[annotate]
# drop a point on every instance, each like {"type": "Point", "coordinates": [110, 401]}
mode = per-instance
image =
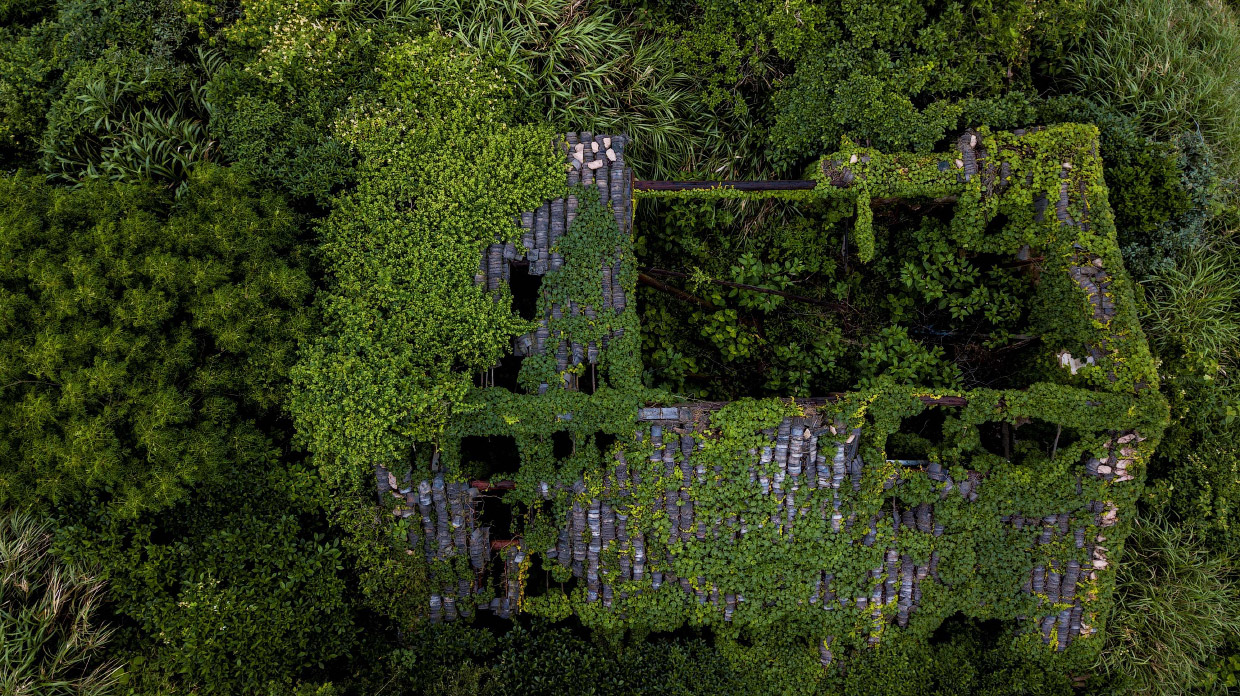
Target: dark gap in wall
{"type": "Point", "coordinates": [504, 375]}
{"type": "Point", "coordinates": [1032, 438]}
{"type": "Point", "coordinates": [992, 437]}
{"type": "Point", "coordinates": [987, 632]}
{"type": "Point", "coordinates": [525, 289]}
{"type": "Point", "coordinates": [539, 581]}
{"type": "Point", "coordinates": [587, 383]}
{"type": "Point", "coordinates": [482, 457]}
{"type": "Point", "coordinates": [496, 513]}
{"type": "Point", "coordinates": [917, 434]}
{"type": "Point", "coordinates": [1039, 436]}
{"type": "Point", "coordinates": [562, 445]}
{"type": "Point", "coordinates": [604, 442]}
{"type": "Point", "coordinates": [996, 224]}
{"type": "Point", "coordinates": [487, 620]}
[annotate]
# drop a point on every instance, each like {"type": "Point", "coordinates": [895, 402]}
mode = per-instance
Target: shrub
{"type": "Point", "coordinates": [27, 71]}
{"type": "Point", "coordinates": [89, 29]}
{"type": "Point", "coordinates": [49, 619]}
{"type": "Point", "coordinates": [584, 66]}
{"type": "Point", "coordinates": [963, 657]}
{"type": "Point", "coordinates": [238, 590]}
{"type": "Point", "coordinates": [1208, 485]}
{"type": "Point", "coordinates": [552, 660]}
{"type": "Point", "coordinates": [104, 88]}
{"type": "Point", "coordinates": [1173, 63]}
{"type": "Point", "coordinates": [128, 118]}
{"type": "Point", "coordinates": [13, 11]}
{"type": "Point", "coordinates": [274, 108]}
{"type": "Point", "coordinates": [1175, 606]}
{"type": "Point", "coordinates": [896, 76]}
{"type": "Point", "coordinates": [892, 356]}
{"type": "Point", "coordinates": [1197, 475]}
{"type": "Point", "coordinates": [1165, 194]}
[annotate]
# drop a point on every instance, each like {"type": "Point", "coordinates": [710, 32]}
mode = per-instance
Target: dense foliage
{"type": "Point", "coordinates": [141, 337]}
{"type": "Point", "coordinates": [238, 241]}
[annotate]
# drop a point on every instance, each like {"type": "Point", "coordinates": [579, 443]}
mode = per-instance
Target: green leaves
{"type": "Point", "coordinates": [50, 628]}
{"type": "Point", "coordinates": [232, 589]}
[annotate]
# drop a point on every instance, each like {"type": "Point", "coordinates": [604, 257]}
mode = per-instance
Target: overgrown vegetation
{"type": "Point", "coordinates": [238, 241]}
{"type": "Point", "coordinates": [1172, 64]}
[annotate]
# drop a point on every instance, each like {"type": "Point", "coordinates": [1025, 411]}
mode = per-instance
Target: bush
{"type": "Point", "coordinates": [49, 624]}
{"type": "Point", "coordinates": [1175, 606]}
{"type": "Point", "coordinates": [237, 591]}
{"type": "Point", "coordinates": [584, 66]}
{"type": "Point", "coordinates": [406, 325]}
{"type": "Point", "coordinates": [1205, 488]}
{"type": "Point", "coordinates": [274, 108]}
{"type": "Point", "coordinates": [963, 657]}
{"type": "Point", "coordinates": [126, 117]}
{"type": "Point", "coordinates": [27, 72]}
{"type": "Point", "coordinates": [904, 75]}
{"type": "Point", "coordinates": [544, 659]}
{"type": "Point", "coordinates": [1165, 194]}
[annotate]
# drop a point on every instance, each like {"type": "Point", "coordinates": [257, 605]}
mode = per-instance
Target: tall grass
{"type": "Point", "coordinates": [1194, 308]}
{"type": "Point", "coordinates": [587, 67]}
{"type": "Point", "coordinates": [1176, 604]}
{"type": "Point", "coordinates": [1175, 64]}
{"type": "Point", "coordinates": [50, 638]}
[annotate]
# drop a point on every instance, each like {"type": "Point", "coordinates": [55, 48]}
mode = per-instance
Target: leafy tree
{"type": "Point", "coordinates": [237, 589]}
{"type": "Point", "coordinates": [137, 346]}
{"type": "Point", "coordinates": [405, 324]}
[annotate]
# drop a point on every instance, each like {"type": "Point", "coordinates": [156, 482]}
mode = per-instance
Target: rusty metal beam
{"type": "Point", "coordinates": [493, 485]}
{"type": "Point", "coordinates": [784, 185]}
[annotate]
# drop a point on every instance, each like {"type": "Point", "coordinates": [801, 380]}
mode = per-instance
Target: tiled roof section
{"type": "Point", "coordinates": [1057, 583]}
{"type": "Point", "coordinates": [809, 452]}
{"type": "Point", "coordinates": [592, 161]}
{"type": "Point", "coordinates": [569, 353]}
{"type": "Point", "coordinates": [599, 161]}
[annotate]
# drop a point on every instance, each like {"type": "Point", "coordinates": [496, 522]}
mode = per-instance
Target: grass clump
{"type": "Point", "coordinates": [1192, 309]}
{"type": "Point", "coordinates": [52, 641]}
{"type": "Point", "coordinates": [1173, 63]}
{"type": "Point", "coordinates": [1176, 605]}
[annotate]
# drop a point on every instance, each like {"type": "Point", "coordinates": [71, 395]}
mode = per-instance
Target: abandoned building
{"type": "Point", "coordinates": [648, 519]}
